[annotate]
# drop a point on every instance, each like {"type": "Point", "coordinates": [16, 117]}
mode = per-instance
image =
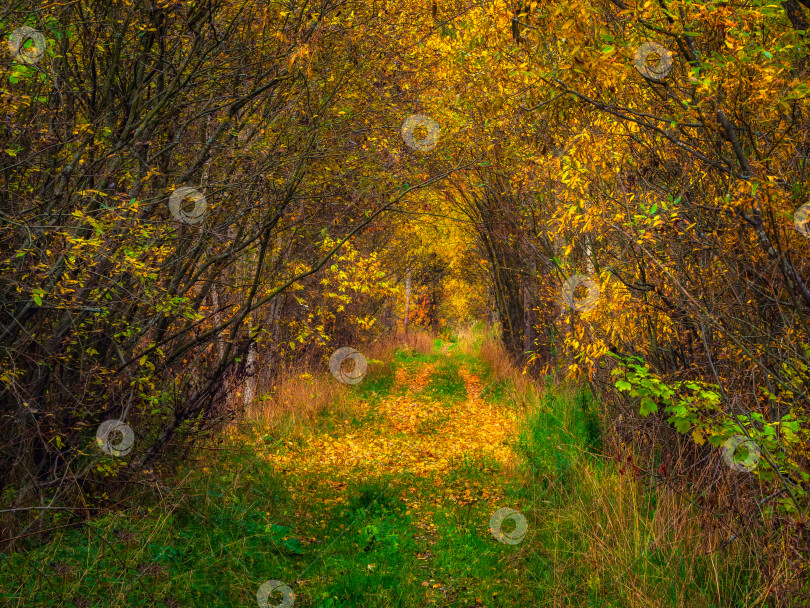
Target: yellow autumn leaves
{"type": "Point", "coordinates": [406, 433]}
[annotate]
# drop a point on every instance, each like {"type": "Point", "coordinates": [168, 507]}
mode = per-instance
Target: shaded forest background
{"type": "Point", "coordinates": [653, 154]}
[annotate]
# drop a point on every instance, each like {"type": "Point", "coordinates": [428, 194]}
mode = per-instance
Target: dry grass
{"type": "Point", "coordinates": [634, 537]}
{"type": "Point", "coordinates": [494, 355]}
{"type": "Point", "coordinates": [523, 390]}
{"type": "Point", "coordinates": [470, 337]}
{"type": "Point", "coordinates": [417, 341]}
{"type": "Point", "coordinates": [301, 392]}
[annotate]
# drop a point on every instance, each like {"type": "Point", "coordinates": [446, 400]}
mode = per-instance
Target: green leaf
{"type": "Point", "coordinates": [716, 440]}
{"type": "Point", "coordinates": [681, 425]}
{"type": "Point", "coordinates": [294, 545]}
{"type": "Point", "coordinates": [278, 530]}
{"type": "Point", "coordinates": [623, 385]}
{"type": "Point", "coordinates": [648, 406]}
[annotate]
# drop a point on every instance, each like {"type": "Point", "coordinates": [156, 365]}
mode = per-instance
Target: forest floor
{"type": "Point", "coordinates": [394, 497]}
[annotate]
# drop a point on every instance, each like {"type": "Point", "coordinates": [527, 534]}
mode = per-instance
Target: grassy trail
{"type": "Point", "coordinates": [385, 500]}
{"type": "Point", "coordinates": [417, 470]}
{"type": "Point", "coordinates": [395, 494]}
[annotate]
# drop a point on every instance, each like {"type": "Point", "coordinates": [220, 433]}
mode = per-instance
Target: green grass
{"type": "Point", "coordinates": [371, 551]}
{"type": "Point", "coordinates": [377, 383]}
{"type": "Point", "coordinates": [553, 438]}
{"type": "Point", "coordinates": [412, 358]}
{"type": "Point", "coordinates": [495, 390]}
{"type": "Point", "coordinates": [445, 385]}
{"type": "Point", "coordinates": [206, 544]}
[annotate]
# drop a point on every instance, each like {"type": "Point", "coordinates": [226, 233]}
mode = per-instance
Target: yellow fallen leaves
{"type": "Point", "coordinates": [404, 376]}
{"type": "Point", "coordinates": [395, 442]}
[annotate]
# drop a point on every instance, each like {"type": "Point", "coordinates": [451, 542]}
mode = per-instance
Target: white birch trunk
{"type": "Point", "coordinates": [251, 367]}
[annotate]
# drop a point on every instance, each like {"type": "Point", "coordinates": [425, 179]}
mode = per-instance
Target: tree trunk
{"type": "Point", "coordinates": [218, 321]}
{"type": "Point", "coordinates": [407, 299]}
{"type": "Point", "coordinates": [251, 368]}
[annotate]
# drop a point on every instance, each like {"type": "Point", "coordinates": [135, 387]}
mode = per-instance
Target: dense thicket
{"type": "Point", "coordinates": [655, 156]}
{"type": "Point", "coordinates": [116, 305]}
{"type": "Point", "coordinates": [652, 152]}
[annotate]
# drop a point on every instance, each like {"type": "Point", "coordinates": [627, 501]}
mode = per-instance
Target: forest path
{"type": "Point", "coordinates": [416, 465]}
{"type": "Point", "coordinates": [423, 485]}
{"type": "Point", "coordinates": [432, 417]}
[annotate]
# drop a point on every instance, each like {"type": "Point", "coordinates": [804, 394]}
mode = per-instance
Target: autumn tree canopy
{"type": "Point", "coordinates": [195, 194]}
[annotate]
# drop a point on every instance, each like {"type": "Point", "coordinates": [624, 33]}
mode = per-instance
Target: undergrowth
{"type": "Point", "coordinates": [212, 534]}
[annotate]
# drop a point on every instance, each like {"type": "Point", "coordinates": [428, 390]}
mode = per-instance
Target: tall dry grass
{"type": "Point", "coordinates": [416, 341]}
{"type": "Point", "coordinates": [650, 545]}
{"type": "Point", "coordinates": [470, 338]}
{"type": "Point", "coordinates": [637, 539]}
{"type": "Point", "coordinates": [523, 390]}
{"type": "Point", "coordinates": [300, 393]}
